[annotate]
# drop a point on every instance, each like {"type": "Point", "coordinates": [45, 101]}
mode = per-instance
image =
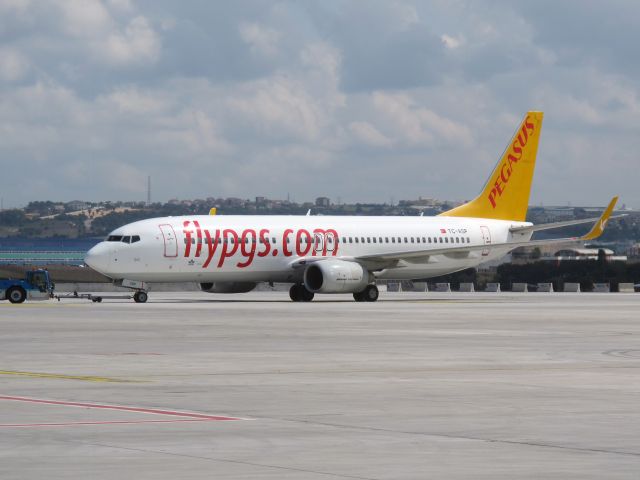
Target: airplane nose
{"type": "Point", "coordinates": [99, 258]}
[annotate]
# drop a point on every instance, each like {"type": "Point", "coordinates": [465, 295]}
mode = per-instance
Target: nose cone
{"type": "Point", "coordinates": [99, 258]}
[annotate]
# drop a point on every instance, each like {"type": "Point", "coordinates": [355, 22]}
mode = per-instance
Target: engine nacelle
{"type": "Point", "coordinates": [335, 276]}
{"type": "Point", "coordinates": [227, 287]}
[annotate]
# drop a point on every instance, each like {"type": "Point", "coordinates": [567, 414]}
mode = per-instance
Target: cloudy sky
{"type": "Point", "coordinates": [358, 100]}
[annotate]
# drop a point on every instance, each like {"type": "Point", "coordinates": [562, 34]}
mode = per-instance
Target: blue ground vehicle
{"type": "Point", "coordinates": [37, 285]}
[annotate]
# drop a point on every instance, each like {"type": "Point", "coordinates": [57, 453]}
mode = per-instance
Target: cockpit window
{"type": "Point", "coordinates": [126, 239]}
{"type": "Point", "coordinates": [114, 238]}
{"type": "Point", "coordinates": [135, 238]}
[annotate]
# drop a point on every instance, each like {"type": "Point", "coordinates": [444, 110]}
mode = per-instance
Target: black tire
{"type": "Point", "coordinates": [370, 294]}
{"type": "Point", "coordinates": [140, 297]}
{"type": "Point", "coordinates": [307, 296]}
{"type": "Point", "coordinates": [358, 297]}
{"type": "Point", "coordinates": [16, 295]}
{"type": "Point", "coordinates": [294, 293]}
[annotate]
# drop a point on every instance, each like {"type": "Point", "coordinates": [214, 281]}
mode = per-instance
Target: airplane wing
{"type": "Point", "coordinates": [463, 251]}
{"type": "Point", "coordinates": [550, 226]}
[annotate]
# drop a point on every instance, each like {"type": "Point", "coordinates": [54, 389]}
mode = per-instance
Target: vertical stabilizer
{"type": "Point", "coordinates": [505, 196]}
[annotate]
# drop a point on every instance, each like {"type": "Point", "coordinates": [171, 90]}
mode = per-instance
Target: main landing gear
{"type": "Point", "coordinates": [299, 293]}
{"type": "Point", "coordinates": [369, 294]}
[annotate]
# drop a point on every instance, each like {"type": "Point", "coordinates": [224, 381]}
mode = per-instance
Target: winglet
{"type": "Point", "coordinates": [213, 211]}
{"type": "Point", "coordinates": [598, 227]}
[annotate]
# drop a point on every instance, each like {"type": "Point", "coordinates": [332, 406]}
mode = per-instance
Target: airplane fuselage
{"type": "Point", "coordinates": [206, 248]}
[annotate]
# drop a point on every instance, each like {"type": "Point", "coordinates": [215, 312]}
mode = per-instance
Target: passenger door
{"type": "Point", "coordinates": [170, 241]}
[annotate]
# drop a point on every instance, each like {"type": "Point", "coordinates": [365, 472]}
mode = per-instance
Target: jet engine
{"type": "Point", "coordinates": [335, 276]}
{"type": "Point", "coordinates": [227, 287]}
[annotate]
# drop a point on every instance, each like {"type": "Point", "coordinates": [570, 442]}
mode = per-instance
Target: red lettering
{"type": "Point", "coordinates": [516, 149]}
{"type": "Point", "coordinates": [264, 240]}
{"type": "Point", "coordinates": [212, 246]}
{"type": "Point", "coordinates": [229, 246]}
{"type": "Point", "coordinates": [285, 243]}
{"type": "Point", "coordinates": [188, 233]}
{"type": "Point", "coordinates": [499, 186]}
{"type": "Point", "coordinates": [299, 249]}
{"type": "Point", "coordinates": [526, 137]}
{"type": "Point", "coordinates": [492, 197]}
{"type": "Point", "coordinates": [529, 126]}
{"type": "Point", "coordinates": [247, 247]}
{"type": "Point", "coordinates": [199, 241]}
{"type": "Point", "coordinates": [505, 173]}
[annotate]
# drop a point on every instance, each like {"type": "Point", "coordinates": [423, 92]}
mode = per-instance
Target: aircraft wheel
{"type": "Point", "coordinates": [294, 293]}
{"type": "Point", "coordinates": [16, 295]}
{"type": "Point", "coordinates": [307, 296]}
{"type": "Point", "coordinates": [140, 297]}
{"type": "Point", "coordinates": [358, 296]}
{"type": "Point", "coordinates": [370, 294]}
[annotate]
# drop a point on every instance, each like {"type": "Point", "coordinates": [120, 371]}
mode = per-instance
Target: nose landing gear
{"type": "Point", "coordinates": [140, 296]}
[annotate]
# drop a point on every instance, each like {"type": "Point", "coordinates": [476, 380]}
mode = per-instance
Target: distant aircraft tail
{"type": "Point", "coordinates": [505, 196]}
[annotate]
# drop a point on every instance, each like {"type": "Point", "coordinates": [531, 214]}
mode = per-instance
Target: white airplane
{"type": "Point", "coordinates": [335, 254]}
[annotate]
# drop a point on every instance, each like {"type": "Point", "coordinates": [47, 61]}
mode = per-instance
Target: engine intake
{"type": "Point", "coordinates": [227, 287]}
{"type": "Point", "coordinates": [335, 276]}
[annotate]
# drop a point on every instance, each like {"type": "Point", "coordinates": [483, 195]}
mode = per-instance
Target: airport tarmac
{"type": "Point", "coordinates": [252, 386]}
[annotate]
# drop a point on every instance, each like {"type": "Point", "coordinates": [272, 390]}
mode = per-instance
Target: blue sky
{"type": "Point", "coordinates": [362, 100]}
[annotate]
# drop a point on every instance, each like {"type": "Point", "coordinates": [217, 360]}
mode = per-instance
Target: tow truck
{"type": "Point", "coordinates": [36, 285]}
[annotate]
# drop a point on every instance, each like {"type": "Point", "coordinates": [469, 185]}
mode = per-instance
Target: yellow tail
{"type": "Point", "coordinates": [505, 196]}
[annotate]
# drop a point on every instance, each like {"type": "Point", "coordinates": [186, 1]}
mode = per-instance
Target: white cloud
{"type": "Point", "coordinates": [13, 65]}
{"type": "Point", "coordinates": [261, 98]}
{"type": "Point", "coordinates": [452, 42]}
{"type": "Point", "coordinates": [84, 18]}
{"type": "Point", "coordinates": [137, 43]}
{"type": "Point", "coordinates": [263, 41]}
{"type": "Point", "coordinates": [369, 135]}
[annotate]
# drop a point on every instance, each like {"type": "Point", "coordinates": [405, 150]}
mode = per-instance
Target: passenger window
{"type": "Point", "coordinates": [412, 240]}
{"type": "Point", "coordinates": [406, 240]}
{"type": "Point", "coordinates": [379, 239]}
{"type": "Point", "coordinates": [399, 240]}
{"type": "Point", "coordinates": [393, 239]}
{"type": "Point", "coordinates": [374, 239]}
{"type": "Point", "coordinates": [350, 239]}
{"type": "Point", "coordinates": [468, 240]}
{"type": "Point", "coordinates": [368, 239]}
{"type": "Point", "coordinates": [457, 239]}
{"type": "Point", "coordinates": [273, 240]}
{"type": "Point", "coordinates": [429, 239]}
{"type": "Point", "coordinates": [362, 239]}
{"type": "Point", "coordinates": [356, 239]}
{"type": "Point", "coordinates": [386, 239]}
{"type": "Point", "coordinates": [344, 239]}
{"type": "Point", "coordinates": [441, 241]}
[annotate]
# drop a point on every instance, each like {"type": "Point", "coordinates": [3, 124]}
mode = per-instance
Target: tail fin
{"type": "Point", "coordinates": [505, 196]}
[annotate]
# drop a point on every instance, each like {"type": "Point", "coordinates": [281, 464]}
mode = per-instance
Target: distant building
{"type": "Point", "coordinates": [573, 254]}
{"type": "Point", "coordinates": [323, 202]}
{"type": "Point", "coordinates": [75, 205]}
